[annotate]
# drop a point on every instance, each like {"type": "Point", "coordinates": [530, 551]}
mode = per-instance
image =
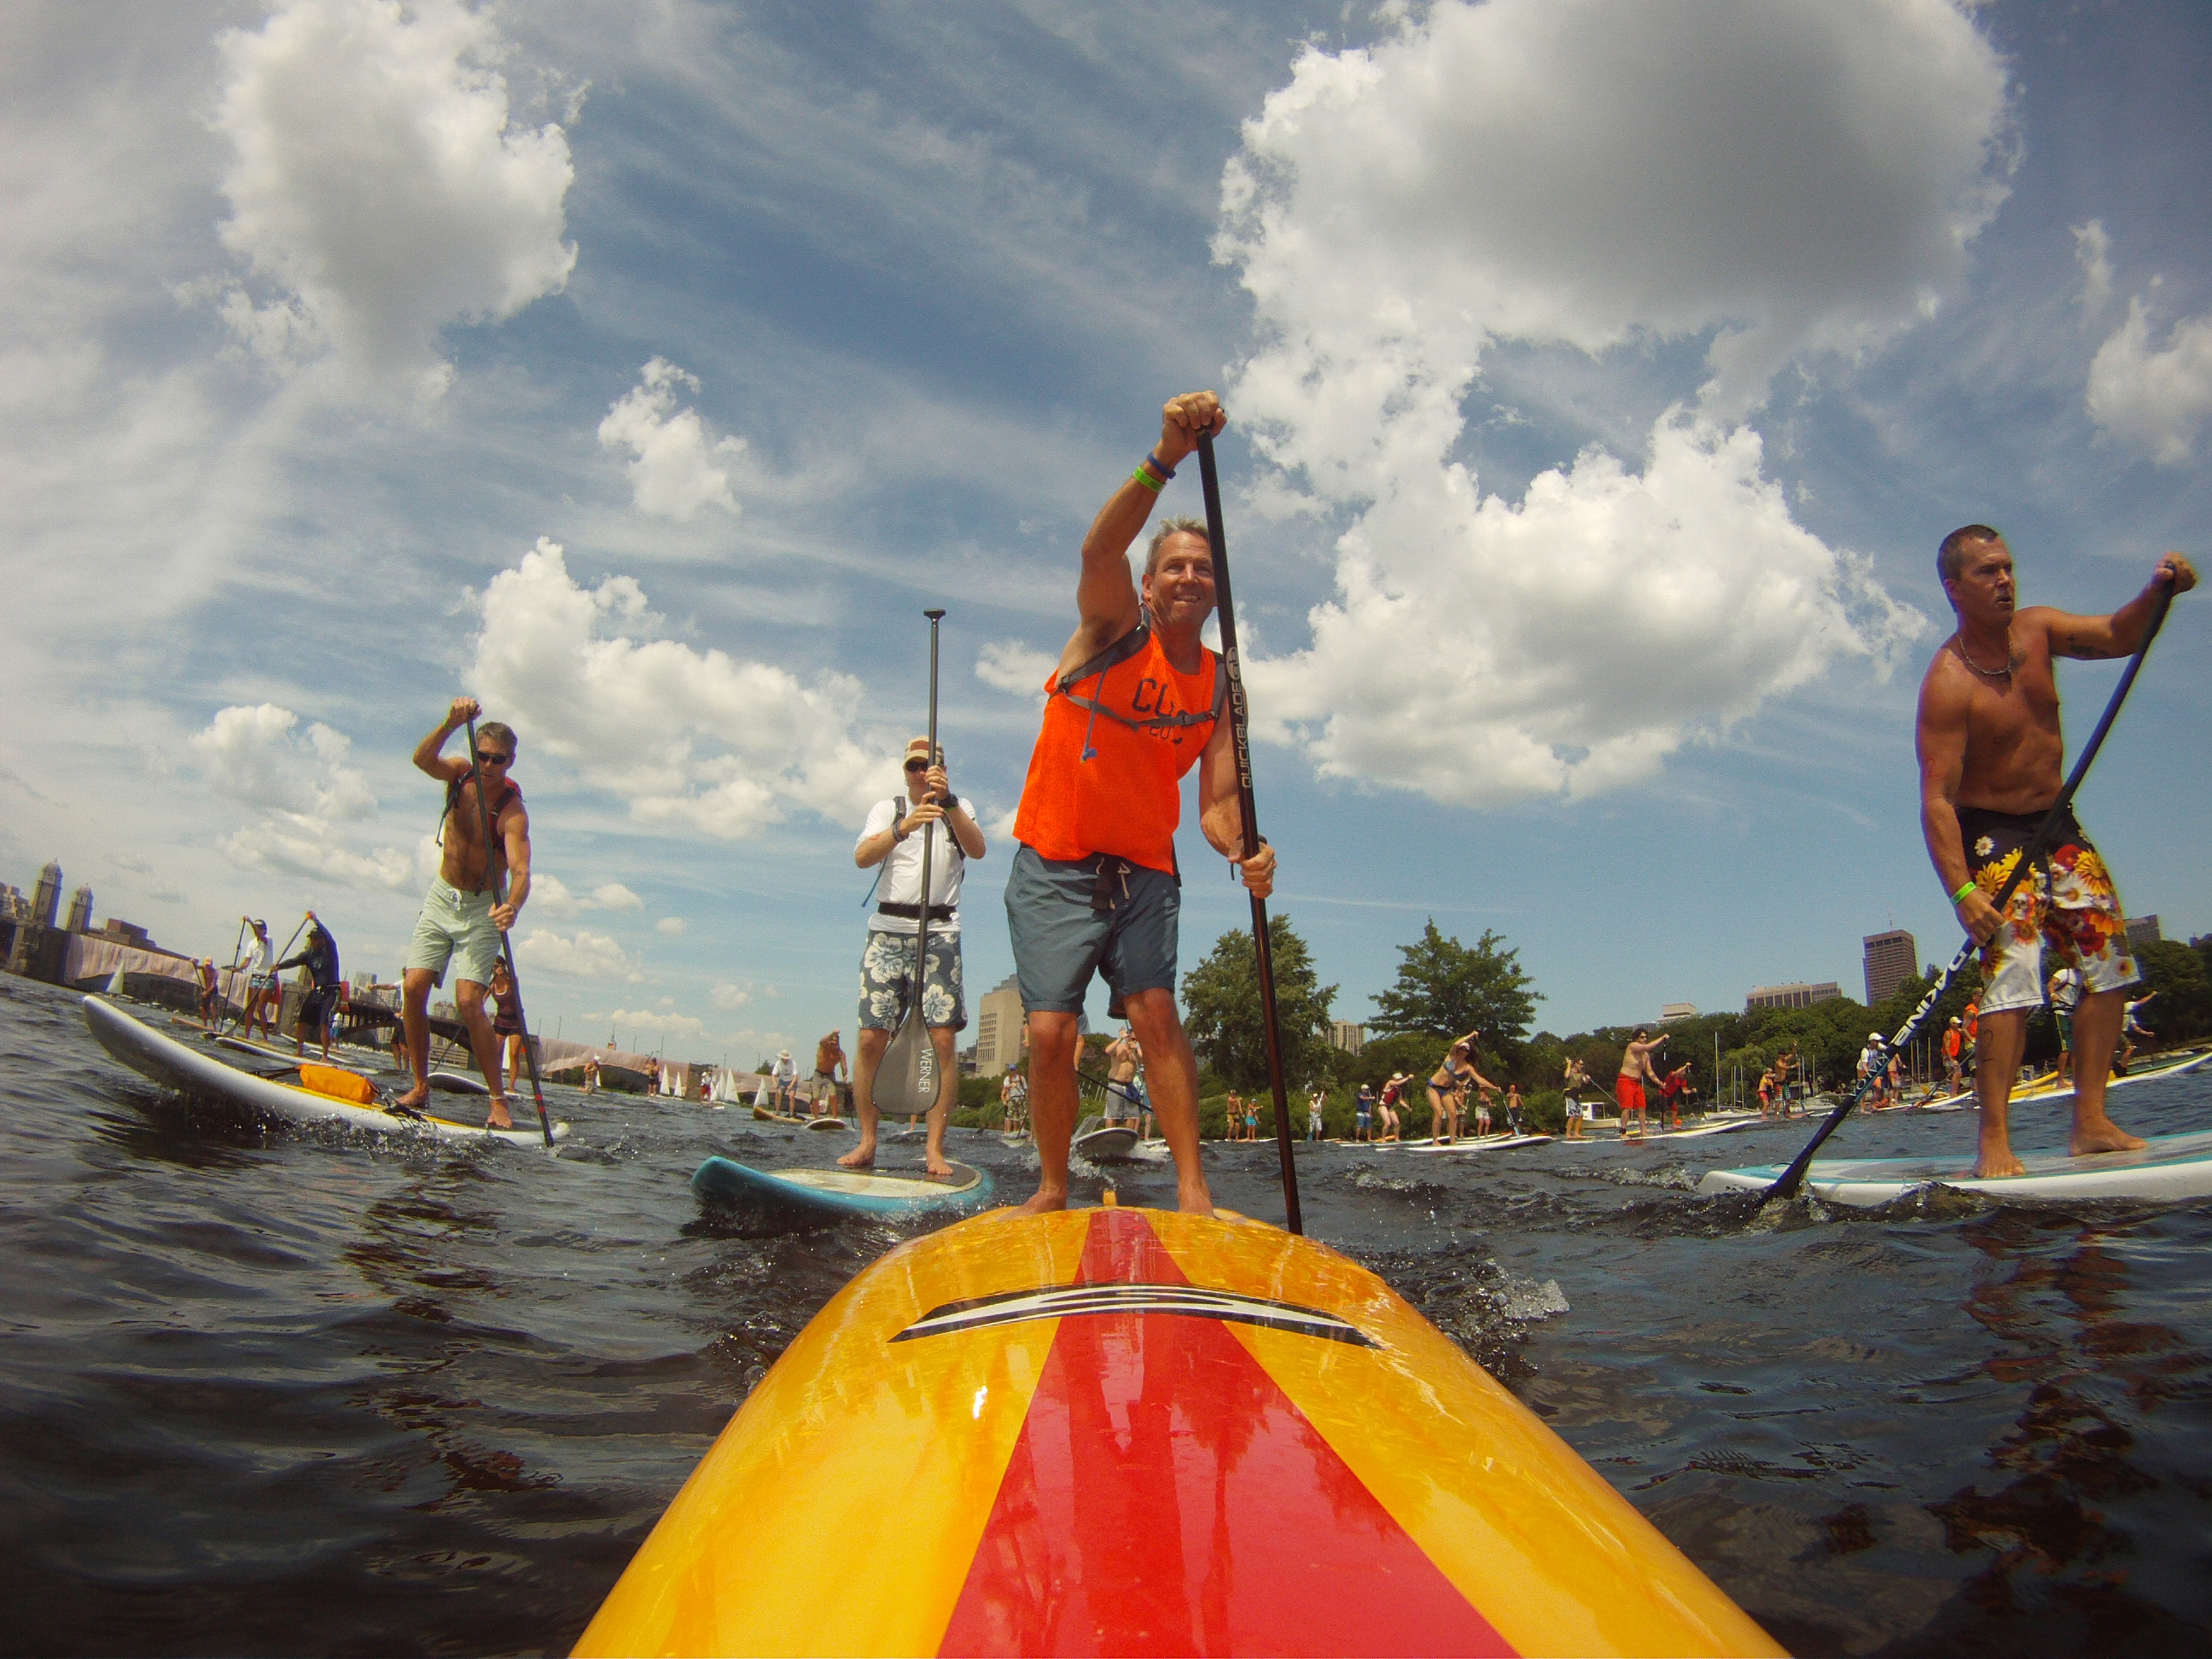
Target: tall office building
{"type": "Point", "coordinates": [2142, 930]}
{"type": "Point", "coordinates": [999, 1028]}
{"type": "Point", "coordinates": [1892, 958]}
{"type": "Point", "coordinates": [1343, 1034]}
{"type": "Point", "coordinates": [1671, 1011]}
{"type": "Point", "coordinates": [1798, 994]}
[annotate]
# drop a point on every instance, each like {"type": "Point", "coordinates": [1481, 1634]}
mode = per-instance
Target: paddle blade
{"type": "Point", "coordinates": [906, 1082]}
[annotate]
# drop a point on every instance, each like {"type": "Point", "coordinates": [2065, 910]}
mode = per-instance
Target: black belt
{"type": "Point", "coordinates": [912, 912]}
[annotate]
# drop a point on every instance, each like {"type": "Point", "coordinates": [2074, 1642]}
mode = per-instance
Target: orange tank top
{"type": "Point", "coordinates": [1106, 775]}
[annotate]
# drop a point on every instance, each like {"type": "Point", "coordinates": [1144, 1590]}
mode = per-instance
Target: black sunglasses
{"type": "Point", "coordinates": [917, 766]}
{"type": "Point", "coordinates": [493, 760]}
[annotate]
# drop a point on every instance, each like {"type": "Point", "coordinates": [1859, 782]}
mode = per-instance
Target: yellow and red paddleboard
{"type": "Point", "coordinates": [1131, 1431]}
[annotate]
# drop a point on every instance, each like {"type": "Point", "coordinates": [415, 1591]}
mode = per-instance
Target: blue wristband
{"type": "Point", "coordinates": [1153, 462]}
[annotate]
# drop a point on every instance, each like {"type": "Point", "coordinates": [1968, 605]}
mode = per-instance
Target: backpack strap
{"type": "Point", "coordinates": [1121, 652]}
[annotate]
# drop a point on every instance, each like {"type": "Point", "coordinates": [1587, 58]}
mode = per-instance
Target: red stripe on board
{"type": "Point", "coordinates": [1165, 1497]}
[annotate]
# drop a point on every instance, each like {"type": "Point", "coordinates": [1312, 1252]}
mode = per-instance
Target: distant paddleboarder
{"type": "Point", "coordinates": [319, 1007]}
{"type": "Point", "coordinates": [459, 926]}
{"type": "Point", "coordinates": [891, 982]}
{"type": "Point", "coordinates": [1991, 753]}
{"type": "Point", "coordinates": [1635, 1071]}
{"type": "Point", "coordinates": [1137, 701]}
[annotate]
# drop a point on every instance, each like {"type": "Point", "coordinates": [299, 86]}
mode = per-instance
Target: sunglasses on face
{"type": "Point", "coordinates": [490, 759]}
{"type": "Point", "coordinates": [917, 766]}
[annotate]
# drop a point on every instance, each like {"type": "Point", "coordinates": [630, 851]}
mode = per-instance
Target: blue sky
{"type": "Point", "coordinates": [1601, 378]}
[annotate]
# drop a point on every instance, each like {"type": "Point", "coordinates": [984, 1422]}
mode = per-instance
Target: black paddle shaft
{"type": "Point", "coordinates": [1240, 733]}
{"type": "Point", "coordinates": [1793, 1178]}
{"type": "Point", "coordinates": [506, 949]}
{"type": "Point", "coordinates": [921, 932]}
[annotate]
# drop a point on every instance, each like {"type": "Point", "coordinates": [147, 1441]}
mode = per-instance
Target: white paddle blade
{"type": "Point", "coordinates": [906, 1082]}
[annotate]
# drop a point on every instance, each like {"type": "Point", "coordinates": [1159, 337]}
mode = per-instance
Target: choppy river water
{"type": "Point", "coordinates": [264, 1390]}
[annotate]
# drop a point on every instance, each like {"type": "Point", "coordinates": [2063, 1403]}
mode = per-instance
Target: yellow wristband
{"type": "Point", "coordinates": [1958, 897]}
{"type": "Point", "coordinates": [1147, 480]}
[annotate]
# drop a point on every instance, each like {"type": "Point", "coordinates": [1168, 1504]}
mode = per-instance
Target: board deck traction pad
{"type": "Point", "coordinates": [1162, 1490]}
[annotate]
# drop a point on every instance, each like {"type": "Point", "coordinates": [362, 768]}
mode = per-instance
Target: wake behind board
{"type": "Point", "coordinates": [193, 1071]}
{"type": "Point", "coordinates": [793, 1200]}
{"type": "Point", "coordinates": [2168, 1167]}
{"type": "Point", "coordinates": [1124, 1431]}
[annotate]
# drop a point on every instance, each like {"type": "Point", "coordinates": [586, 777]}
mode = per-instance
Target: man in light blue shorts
{"type": "Point", "coordinates": [463, 913]}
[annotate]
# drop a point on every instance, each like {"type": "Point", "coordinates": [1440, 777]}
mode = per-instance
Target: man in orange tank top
{"type": "Point", "coordinates": [1137, 701]}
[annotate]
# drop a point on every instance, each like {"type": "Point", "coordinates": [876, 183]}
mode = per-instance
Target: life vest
{"type": "Point", "coordinates": [1119, 734]}
{"type": "Point", "coordinates": [504, 795]}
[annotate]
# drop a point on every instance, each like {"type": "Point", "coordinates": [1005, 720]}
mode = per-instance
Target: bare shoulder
{"type": "Point", "coordinates": [1946, 689]}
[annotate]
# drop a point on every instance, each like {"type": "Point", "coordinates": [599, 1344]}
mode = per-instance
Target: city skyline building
{"type": "Point", "coordinates": [1346, 1034]}
{"type": "Point", "coordinates": [2143, 930]}
{"type": "Point", "coordinates": [1671, 1011]}
{"type": "Point", "coordinates": [1798, 994]}
{"type": "Point", "coordinates": [999, 1028]}
{"type": "Point", "coordinates": [1891, 958]}
{"type": "Point", "coordinates": [80, 912]}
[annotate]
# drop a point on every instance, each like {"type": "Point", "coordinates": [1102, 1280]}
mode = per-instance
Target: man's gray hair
{"type": "Point", "coordinates": [1951, 556]}
{"type": "Point", "coordinates": [1180, 526]}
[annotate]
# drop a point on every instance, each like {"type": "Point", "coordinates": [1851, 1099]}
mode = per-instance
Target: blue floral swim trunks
{"type": "Point", "coordinates": [2066, 906]}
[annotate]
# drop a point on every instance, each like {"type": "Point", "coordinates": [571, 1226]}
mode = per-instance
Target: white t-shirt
{"type": "Point", "coordinates": [259, 954]}
{"type": "Point", "coordinates": [902, 878]}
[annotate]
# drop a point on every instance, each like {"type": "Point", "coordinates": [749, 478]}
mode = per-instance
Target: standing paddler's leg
{"type": "Point", "coordinates": [415, 1033]}
{"type": "Point", "coordinates": [2096, 1034]}
{"type": "Point", "coordinates": [867, 1060]}
{"type": "Point", "coordinates": [1172, 1073]}
{"type": "Point", "coordinates": [1054, 1039]}
{"type": "Point", "coordinates": [483, 1043]}
{"type": "Point", "coordinates": [948, 1091]}
{"type": "Point", "coordinates": [2004, 1037]}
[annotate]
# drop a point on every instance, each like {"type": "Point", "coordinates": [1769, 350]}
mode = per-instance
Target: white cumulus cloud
{"type": "Point", "coordinates": [680, 1025]}
{"type": "Point", "coordinates": [2157, 397]}
{"type": "Point", "coordinates": [2092, 252]}
{"type": "Point", "coordinates": [289, 845]}
{"type": "Point", "coordinates": [377, 183]}
{"type": "Point", "coordinates": [672, 926]}
{"type": "Point", "coordinates": [1010, 666]}
{"type": "Point", "coordinates": [1482, 651]}
{"type": "Point", "coordinates": [1781, 179]}
{"type": "Point", "coordinates": [1795, 177]}
{"type": "Point", "coordinates": [676, 467]}
{"type": "Point", "coordinates": [550, 896]}
{"type": "Point", "coordinates": [259, 756]}
{"type": "Point", "coordinates": [726, 996]}
{"type": "Point", "coordinates": [586, 955]}
{"type": "Point", "coordinates": [697, 739]}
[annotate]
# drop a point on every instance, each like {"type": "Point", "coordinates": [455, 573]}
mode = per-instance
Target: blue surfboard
{"type": "Point", "coordinates": [794, 1201]}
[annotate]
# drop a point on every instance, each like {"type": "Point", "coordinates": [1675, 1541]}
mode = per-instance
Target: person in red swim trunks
{"type": "Point", "coordinates": [1628, 1087]}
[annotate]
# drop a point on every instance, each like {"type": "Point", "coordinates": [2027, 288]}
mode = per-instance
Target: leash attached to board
{"type": "Point", "coordinates": [506, 949]}
{"type": "Point", "coordinates": [1793, 1178]}
{"type": "Point", "coordinates": [1263, 947]}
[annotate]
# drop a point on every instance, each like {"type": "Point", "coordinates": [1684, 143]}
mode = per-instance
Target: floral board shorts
{"type": "Point", "coordinates": [2066, 906]}
{"type": "Point", "coordinates": [887, 982]}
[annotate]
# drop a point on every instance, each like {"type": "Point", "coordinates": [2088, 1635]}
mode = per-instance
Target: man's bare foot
{"type": "Point", "coordinates": [862, 1156]}
{"type": "Point", "coordinates": [937, 1163]}
{"type": "Point", "coordinates": [1192, 1197]}
{"type": "Point", "coordinates": [413, 1099]}
{"type": "Point", "coordinates": [497, 1117]}
{"type": "Point", "coordinates": [1997, 1165]}
{"type": "Point", "coordinates": [2106, 1136]}
{"type": "Point", "coordinates": [1042, 1202]}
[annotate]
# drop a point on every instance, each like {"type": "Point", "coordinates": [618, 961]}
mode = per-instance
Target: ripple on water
{"type": "Point", "coordinates": [267, 1391]}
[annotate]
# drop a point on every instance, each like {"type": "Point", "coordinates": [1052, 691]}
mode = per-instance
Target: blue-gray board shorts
{"type": "Point", "coordinates": [1061, 940]}
{"type": "Point", "coordinates": [456, 928]}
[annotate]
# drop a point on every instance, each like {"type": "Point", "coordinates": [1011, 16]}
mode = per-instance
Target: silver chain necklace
{"type": "Point", "coordinates": [1958, 645]}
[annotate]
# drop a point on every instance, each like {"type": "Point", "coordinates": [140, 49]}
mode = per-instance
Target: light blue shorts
{"type": "Point", "coordinates": [454, 927]}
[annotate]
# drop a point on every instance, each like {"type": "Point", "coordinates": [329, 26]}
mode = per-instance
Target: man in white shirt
{"type": "Point", "coordinates": [928, 814]}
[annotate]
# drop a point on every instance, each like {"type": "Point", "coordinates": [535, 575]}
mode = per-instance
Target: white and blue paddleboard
{"type": "Point", "coordinates": [2168, 1167]}
{"type": "Point", "coordinates": [793, 1200]}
